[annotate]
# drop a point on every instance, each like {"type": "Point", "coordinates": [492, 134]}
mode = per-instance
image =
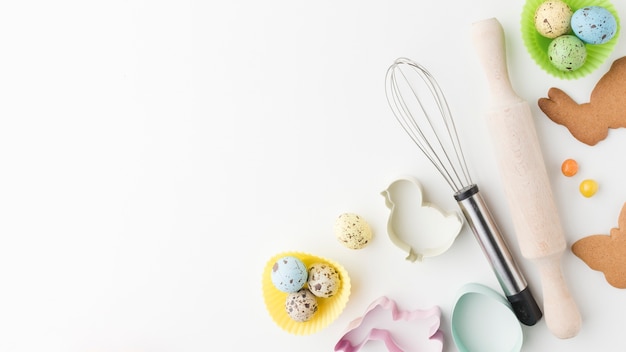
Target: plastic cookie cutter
{"type": "Point", "coordinates": [483, 320]}
{"type": "Point", "coordinates": [419, 228]}
{"type": "Point", "coordinates": [399, 330]}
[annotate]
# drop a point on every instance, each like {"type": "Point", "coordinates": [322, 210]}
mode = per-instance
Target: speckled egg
{"type": "Point", "coordinates": [289, 274]}
{"type": "Point", "coordinates": [567, 53]}
{"type": "Point", "coordinates": [301, 306]}
{"type": "Point", "coordinates": [352, 231]}
{"type": "Point", "coordinates": [594, 24]}
{"type": "Point", "coordinates": [552, 18]}
{"type": "Point", "coordinates": [323, 280]}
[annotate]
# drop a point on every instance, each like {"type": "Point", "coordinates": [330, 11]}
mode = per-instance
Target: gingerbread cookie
{"type": "Point", "coordinates": [590, 122]}
{"type": "Point", "coordinates": [606, 253]}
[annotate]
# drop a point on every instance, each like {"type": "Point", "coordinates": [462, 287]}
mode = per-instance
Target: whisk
{"type": "Point", "coordinates": [408, 84]}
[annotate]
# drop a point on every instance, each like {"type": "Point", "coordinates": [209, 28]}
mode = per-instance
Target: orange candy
{"type": "Point", "coordinates": [569, 167]}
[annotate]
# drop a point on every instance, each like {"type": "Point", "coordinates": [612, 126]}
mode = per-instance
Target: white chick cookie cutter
{"type": "Point", "coordinates": [418, 228]}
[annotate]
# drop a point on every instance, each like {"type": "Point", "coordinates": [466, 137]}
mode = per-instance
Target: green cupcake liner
{"type": "Point", "coordinates": [537, 45]}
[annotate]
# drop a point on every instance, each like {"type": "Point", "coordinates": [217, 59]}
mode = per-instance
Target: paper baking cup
{"type": "Point", "coordinates": [328, 308]}
{"type": "Point", "coordinates": [537, 45]}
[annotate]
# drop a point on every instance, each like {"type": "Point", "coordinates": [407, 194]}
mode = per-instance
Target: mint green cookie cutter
{"type": "Point", "coordinates": [483, 320]}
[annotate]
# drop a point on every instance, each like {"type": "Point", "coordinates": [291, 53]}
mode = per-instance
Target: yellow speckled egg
{"type": "Point", "coordinates": [553, 18]}
{"type": "Point", "coordinates": [352, 231]}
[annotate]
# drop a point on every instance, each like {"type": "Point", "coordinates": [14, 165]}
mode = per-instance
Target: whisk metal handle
{"type": "Point", "coordinates": [495, 249]}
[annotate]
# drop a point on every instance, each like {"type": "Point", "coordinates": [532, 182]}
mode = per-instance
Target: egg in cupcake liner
{"type": "Point", "coordinates": [537, 45]}
{"type": "Point", "coordinates": [328, 309]}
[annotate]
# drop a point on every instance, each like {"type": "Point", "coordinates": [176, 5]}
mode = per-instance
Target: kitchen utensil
{"type": "Point", "coordinates": [408, 86]}
{"type": "Point", "coordinates": [419, 228]}
{"type": "Point", "coordinates": [498, 331]}
{"type": "Point", "coordinates": [525, 179]}
{"type": "Point", "coordinates": [399, 330]}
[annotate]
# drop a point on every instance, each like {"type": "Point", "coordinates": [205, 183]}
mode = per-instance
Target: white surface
{"type": "Point", "coordinates": [155, 154]}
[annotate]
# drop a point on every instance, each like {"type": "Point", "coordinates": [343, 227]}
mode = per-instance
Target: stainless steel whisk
{"type": "Point", "coordinates": [407, 86]}
{"type": "Point", "coordinates": [446, 154]}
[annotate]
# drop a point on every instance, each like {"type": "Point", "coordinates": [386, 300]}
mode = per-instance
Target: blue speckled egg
{"type": "Point", "coordinates": [594, 24]}
{"type": "Point", "coordinates": [567, 53]}
{"type": "Point", "coordinates": [289, 274]}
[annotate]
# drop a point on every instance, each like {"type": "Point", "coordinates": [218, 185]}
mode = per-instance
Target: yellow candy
{"type": "Point", "coordinates": [588, 188]}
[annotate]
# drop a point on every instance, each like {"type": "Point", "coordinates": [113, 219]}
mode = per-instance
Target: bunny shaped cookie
{"type": "Point", "coordinates": [590, 122]}
{"type": "Point", "coordinates": [606, 253]}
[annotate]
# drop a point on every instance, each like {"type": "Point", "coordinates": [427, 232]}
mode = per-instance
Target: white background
{"type": "Point", "coordinates": [154, 155]}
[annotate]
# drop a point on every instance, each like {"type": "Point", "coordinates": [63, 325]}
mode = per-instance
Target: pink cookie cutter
{"type": "Point", "coordinates": [399, 330]}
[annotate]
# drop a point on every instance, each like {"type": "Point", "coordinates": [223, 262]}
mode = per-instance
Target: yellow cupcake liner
{"type": "Point", "coordinates": [329, 309]}
{"type": "Point", "coordinates": [537, 45]}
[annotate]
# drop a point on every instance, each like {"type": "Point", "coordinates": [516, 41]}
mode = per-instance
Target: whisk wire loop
{"type": "Point", "coordinates": [415, 117]}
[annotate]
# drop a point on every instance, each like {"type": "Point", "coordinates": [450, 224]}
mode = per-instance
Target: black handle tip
{"type": "Point", "coordinates": [525, 307]}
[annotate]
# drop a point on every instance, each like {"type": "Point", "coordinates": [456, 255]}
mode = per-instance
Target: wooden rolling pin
{"type": "Point", "coordinates": [525, 179]}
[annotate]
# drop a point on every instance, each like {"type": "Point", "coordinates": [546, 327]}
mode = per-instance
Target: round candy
{"type": "Point", "coordinates": [569, 167]}
{"type": "Point", "coordinates": [352, 231]}
{"type": "Point", "coordinates": [289, 274]}
{"type": "Point", "coordinates": [594, 24]}
{"type": "Point", "coordinates": [588, 188]}
{"type": "Point", "coordinates": [567, 53]}
{"type": "Point", "coordinates": [323, 280]}
{"type": "Point", "coordinates": [552, 18]}
{"type": "Point", "coordinates": [301, 305]}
